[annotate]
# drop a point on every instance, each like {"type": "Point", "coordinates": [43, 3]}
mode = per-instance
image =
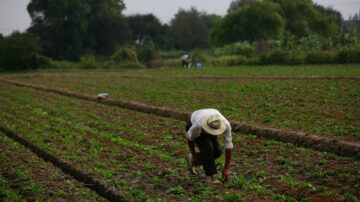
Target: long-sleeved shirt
{"type": "Point", "coordinates": [184, 57]}
{"type": "Point", "coordinates": [196, 129]}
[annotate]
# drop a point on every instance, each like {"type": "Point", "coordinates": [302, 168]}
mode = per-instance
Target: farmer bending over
{"type": "Point", "coordinates": [203, 130]}
{"type": "Point", "coordinates": [185, 61]}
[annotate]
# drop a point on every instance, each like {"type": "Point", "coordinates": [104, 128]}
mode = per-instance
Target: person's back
{"type": "Point", "coordinates": [185, 60]}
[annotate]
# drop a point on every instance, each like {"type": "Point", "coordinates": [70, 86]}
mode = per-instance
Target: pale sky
{"type": "Point", "coordinates": [14, 16]}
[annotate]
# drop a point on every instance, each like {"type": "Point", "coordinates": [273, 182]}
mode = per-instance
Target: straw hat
{"type": "Point", "coordinates": [213, 124]}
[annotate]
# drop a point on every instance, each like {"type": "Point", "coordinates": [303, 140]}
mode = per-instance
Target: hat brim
{"type": "Point", "coordinates": [210, 130]}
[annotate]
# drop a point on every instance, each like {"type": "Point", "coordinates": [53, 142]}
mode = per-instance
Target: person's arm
{"type": "Point", "coordinates": [228, 152]}
{"type": "Point", "coordinates": [226, 171]}
{"type": "Point", "coordinates": [192, 150]}
{"type": "Point", "coordinates": [193, 132]}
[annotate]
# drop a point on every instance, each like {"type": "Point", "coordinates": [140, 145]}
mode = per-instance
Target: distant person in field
{"type": "Point", "coordinates": [185, 60]}
{"type": "Point", "coordinates": [203, 130]}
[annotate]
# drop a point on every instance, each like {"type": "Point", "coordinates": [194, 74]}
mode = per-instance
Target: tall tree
{"type": "Point", "coordinates": [147, 28]}
{"type": "Point", "coordinates": [19, 51]}
{"type": "Point", "coordinates": [237, 4]}
{"type": "Point", "coordinates": [61, 25]}
{"type": "Point", "coordinates": [302, 19]}
{"type": "Point", "coordinates": [108, 28]}
{"type": "Point", "coordinates": [69, 28]}
{"type": "Point", "coordinates": [210, 20]}
{"type": "Point", "coordinates": [253, 22]}
{"type": "Point", "coordinates": [351, 30]}
{"type": "Point", "coordinates": [189, 30]}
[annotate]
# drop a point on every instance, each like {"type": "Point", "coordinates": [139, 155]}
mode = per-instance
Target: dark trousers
{"type": "Point", "coordinates": [210, 150]}
{"type": "Point", "coordinates": [184, 63]}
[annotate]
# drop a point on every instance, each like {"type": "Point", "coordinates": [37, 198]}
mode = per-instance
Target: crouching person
{"type": "Point", "coordinates": [203, 130]}
{"type": "Point", "coordinates": [185, 61]}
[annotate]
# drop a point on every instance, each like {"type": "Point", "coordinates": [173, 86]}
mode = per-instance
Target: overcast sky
{"type": "Point", "coordinates": [14, 16]}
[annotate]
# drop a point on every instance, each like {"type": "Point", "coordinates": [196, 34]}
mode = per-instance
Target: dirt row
{"type": "Point", "coordinates": [309, 140]}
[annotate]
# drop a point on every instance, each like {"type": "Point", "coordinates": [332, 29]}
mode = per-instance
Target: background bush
{"type": "Point", "coordinates": [44, 62]}
{"type": "Point", "coordinates": [275, 57]}
{"type": "Point", "coordinates": [320, 57]}
{"type": "Point", "coordinates": [145, 54]}
{"type": "Point", "coordinates": [126, 58]}
{"type": "Point", "coordinates": [88, 62]}
{"type": "Point", "coordinates": [295, 58]}
{"type": "Point", "coordinates": [349, 55]}
{"type": "Point", "coordinates": [19, 52]}
{"type": "Point", "coordinates": [64, 64]}
{"type": "Point", "coordinates": [123, 55]}
{"type": "Point", "coordinates": [239, 48]}
{"type": "Point", "coordinates": [229, 60]}
{"type": "Point", "coordinates": [201, 56]}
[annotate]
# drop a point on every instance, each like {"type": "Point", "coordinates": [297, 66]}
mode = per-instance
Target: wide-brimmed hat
{"type": "Point", "coordinates": [213, 124]}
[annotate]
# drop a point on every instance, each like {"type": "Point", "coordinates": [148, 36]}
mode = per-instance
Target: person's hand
{"type": "Point", "coordinates": [225, 174]}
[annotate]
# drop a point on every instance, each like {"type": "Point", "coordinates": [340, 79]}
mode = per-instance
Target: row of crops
{"type": "Point", "coordinates": [141, 155]}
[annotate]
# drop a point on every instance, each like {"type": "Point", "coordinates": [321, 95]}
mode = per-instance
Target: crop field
{"type": "Point", "coordinates": [320, 100]}
{"type": "Point", "coordinates": [141, 156]}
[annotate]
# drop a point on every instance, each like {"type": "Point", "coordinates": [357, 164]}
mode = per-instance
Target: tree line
{"type": "Point", "coordinates": [68, 29]}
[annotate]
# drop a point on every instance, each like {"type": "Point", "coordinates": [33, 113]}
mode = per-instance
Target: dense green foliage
{"type": "Point", "coordinates": [303, 19]}
{"type": "Point", "coordinates": [145, 53]}
{"type": "Point", "coordinates": [239, 48]}
{"type": "Point", "coordinates": [88, 62]}
{"type": "Point", "coordinates": [262, 20]}
{"type": "Point", "coordinates": [19, 51]}
{"type": "Point", "coordinates": [189, 30]}
{"type": "Point", "coordinates": [70, 28]}
{"type": "Point", "coordinates": [146, 29]}
{"type": "Point", "coordinates": [254, 22]}
{"type": "Point", "coordinates": [124, 55]}
{"type": "Point", "coordinates": [125, 58]}
{"type": "Point", "coordinates": [237, 4]}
